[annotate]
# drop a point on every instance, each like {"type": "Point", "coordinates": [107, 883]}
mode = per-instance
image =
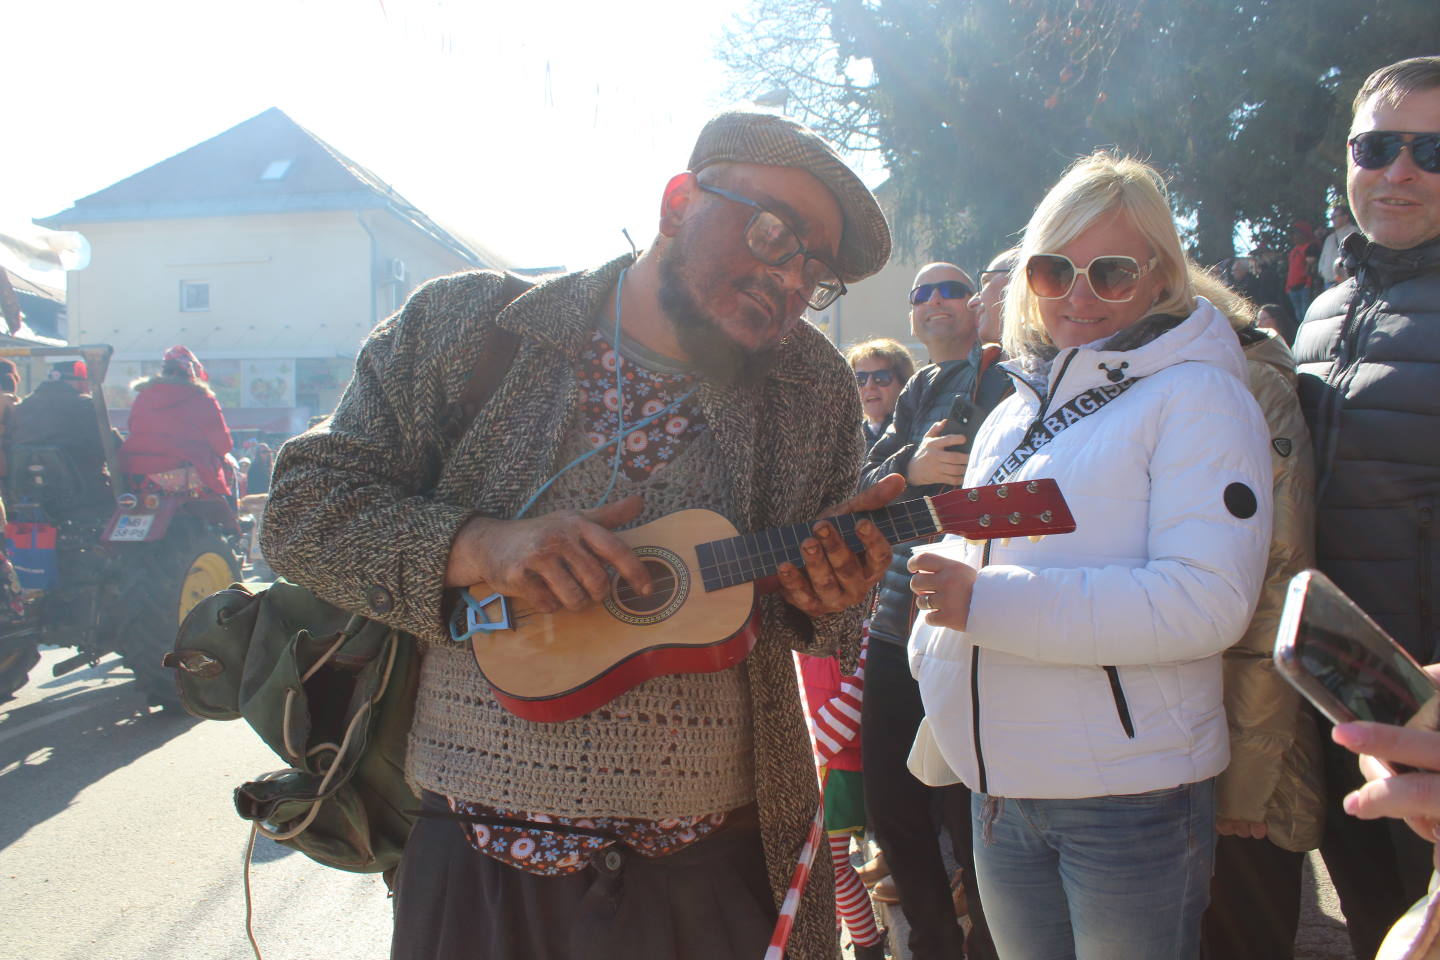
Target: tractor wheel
{"type": "Point", "coordinates": [192, 562]}
{"type": "Point", "coordinates": [15, 667]}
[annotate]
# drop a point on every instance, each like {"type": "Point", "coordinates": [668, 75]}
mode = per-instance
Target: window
{"type": "Point", "coordinates": [397, 293]}
{"type": "Point", "coordinates": [194, 295]}
{"type": "Point", "coordinates": [276, 170]}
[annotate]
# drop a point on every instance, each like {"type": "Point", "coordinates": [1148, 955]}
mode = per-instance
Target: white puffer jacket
{"type": "Point", "coordinates": [1091, 666]}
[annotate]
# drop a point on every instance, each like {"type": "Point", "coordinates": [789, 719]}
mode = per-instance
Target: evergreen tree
{"type": "Point", "coordinates": [977, 106]}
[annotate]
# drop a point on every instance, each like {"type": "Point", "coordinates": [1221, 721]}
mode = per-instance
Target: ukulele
{"type": "Point", "coordinates": [701, 615]}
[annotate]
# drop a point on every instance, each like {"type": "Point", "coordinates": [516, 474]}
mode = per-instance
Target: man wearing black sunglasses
{"type": "Point", "coordinates": [935, 418]}
{"type": "Point", "coordinates": [1369, 355]}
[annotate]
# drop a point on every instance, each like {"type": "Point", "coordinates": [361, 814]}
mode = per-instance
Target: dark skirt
{"type": "Point", "coordinates": [709, 901]}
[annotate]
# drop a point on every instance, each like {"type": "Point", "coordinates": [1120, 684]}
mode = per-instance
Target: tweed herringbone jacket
{"type": "Point", "coordinates": [364, 507]}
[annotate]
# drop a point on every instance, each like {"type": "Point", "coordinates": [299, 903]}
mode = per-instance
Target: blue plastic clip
{"type": "Point", "coordinates": [474, 617]}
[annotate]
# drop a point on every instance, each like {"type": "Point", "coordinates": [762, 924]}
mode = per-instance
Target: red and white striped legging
{"type": "Point", "coordinates": [852, 900]}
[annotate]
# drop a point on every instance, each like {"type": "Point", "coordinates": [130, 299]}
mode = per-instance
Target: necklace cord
{"type": "Point", "coordinates": [617, 438]}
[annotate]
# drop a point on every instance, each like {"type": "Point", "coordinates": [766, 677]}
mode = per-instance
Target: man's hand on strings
{"type": "Point", "coordinates": [550, 562]}
{"type": "Point", "coordinates": [835, 577]}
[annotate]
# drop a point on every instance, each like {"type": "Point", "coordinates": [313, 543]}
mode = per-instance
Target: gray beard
{"type": "Point", "coordinates": [714, 355]}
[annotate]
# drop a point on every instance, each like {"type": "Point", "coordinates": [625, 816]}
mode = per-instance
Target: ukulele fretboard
{"type": "Point", "coordinates": [754, 556]}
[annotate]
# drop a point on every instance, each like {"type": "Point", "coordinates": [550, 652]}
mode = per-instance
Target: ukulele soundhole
{"type": "Point", "coordinates": [670, 579]}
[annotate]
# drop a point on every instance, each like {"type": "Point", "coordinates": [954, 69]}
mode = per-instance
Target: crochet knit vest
{"type": "Point", "coordinates": [674, 746]}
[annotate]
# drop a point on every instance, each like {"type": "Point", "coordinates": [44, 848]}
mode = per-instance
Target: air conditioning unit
{"type": "Point", "coordinates": [395, 269]}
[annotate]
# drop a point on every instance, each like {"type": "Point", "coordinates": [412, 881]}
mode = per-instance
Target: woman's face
{"type": "Point", "coordinates": [1080, 316]}
{"type": "Point", "coordinates": [878, 401]}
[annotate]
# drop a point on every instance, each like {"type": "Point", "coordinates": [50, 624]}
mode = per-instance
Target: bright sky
{"type": "Point", "coordinates": [540, 127]}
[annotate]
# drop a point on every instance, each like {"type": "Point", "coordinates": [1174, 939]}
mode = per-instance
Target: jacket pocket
{"type": "Point", "coordinates": [1121, 707]}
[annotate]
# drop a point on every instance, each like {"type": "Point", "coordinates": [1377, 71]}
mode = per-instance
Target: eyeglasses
{"type": "Point", "coordinates": [773, 243]}
{"type": "Point", "coordinates": [882, 378]}
{"type": "Point", "coordinates": [1113, 279]}
{"type": "Point", "coordinates": [1377, 149]}
{"type": "Point", "coordinates": [949, 290]}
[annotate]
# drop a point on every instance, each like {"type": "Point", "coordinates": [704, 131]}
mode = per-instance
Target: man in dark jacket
{"type": "Point", "coordinates": [60, 413]}
{"type": "Point", "coordinates": [1369, 354]}
{"type": "Point", "coordinates": [920, 445]}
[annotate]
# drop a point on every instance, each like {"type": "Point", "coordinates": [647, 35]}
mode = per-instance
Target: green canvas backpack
{"type": "Point", "coordinates": [332, 693]}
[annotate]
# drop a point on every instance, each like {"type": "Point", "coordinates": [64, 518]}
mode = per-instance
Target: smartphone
{"type": "Point", "coordinates": [1346, 665]}
{"type": "Point", "coordinates": [964, 417]}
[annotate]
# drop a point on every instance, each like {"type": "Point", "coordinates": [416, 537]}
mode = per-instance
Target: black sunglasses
{"type": "Point", "coordinates": [772, 242]}
{"type": "Point", "coordinates": [882, 378]}
{"type": "Point", "coordinates": [949, 290]}
{"type": "Point", "coordinates": [1377, 149]}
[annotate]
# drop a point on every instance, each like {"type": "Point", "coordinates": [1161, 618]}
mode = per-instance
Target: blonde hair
{"type": "Point", "coordinates": [1094, 187]}
{"type": "Point", "coordinates": [1239, 310]}
{"type": "Point", "coordinates": [892, 351]}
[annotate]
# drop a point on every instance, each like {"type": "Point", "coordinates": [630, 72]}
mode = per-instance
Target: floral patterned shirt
{"type": "Point", "coordinates": [647, 391]}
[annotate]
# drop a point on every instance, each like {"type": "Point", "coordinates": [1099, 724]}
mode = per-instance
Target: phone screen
{"type": "Point", "coordinates": [1335, 649]}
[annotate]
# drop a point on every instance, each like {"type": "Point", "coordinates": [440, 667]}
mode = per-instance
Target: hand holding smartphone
{"type": "Point", "coordinates": [963, 418]}
{"type": "Point", "coordinates": [1348, 667]}
{"type": "Point", "coordinates": [938, 460]}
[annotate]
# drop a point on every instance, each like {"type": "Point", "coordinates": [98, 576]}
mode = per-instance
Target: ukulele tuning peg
{"type": "Point", "coordinates": [1036, 538]}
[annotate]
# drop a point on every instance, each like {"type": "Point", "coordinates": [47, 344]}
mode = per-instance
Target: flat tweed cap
{"type": "Point", "coordinates": [745, 137]}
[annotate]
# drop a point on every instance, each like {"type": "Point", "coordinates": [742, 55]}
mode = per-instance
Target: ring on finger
{"type": "Point", "coordinates": [926, 601]}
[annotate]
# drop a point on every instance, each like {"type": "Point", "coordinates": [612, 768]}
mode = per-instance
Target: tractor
{"type": "Point", "coordinates": [112, 574]}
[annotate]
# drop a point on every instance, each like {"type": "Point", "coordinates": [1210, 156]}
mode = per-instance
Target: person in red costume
{"type": "Point", "coordinates": [177, 421]}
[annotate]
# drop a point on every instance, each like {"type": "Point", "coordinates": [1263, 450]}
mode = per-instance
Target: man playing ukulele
{"type": "Point", "coordinates": [665, 823]}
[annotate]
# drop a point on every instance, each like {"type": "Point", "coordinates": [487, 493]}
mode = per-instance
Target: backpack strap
{"type": "Point", "coordinates": [494, 362]}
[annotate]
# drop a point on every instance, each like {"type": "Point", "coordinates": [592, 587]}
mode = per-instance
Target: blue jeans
{"type": "Point", "coordinates": [1299, 302]}
{"type": "Point", "coordinates": [1101, 878]}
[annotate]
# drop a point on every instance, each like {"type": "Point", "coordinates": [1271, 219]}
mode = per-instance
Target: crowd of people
{"type": "Point", "coordinates": [175, 424]}
{"type": "Point", "coordinates": [1093, 719]}
{"type": "Point", "coordinates": [176, 440]}
{"type": "Point", "coordinates": [1282, 287]}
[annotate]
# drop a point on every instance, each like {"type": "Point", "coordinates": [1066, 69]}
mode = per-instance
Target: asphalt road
{"type": "Point", "coordinates": [118, 839]}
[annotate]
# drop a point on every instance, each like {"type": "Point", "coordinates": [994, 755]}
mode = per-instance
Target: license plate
{"type": "Point", "coordinates": [132, 526]}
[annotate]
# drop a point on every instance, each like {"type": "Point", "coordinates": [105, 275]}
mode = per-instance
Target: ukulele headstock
{"type": "Point", "coordinates": [1024, 508]}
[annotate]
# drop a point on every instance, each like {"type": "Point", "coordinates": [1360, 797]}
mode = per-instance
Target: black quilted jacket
{"type": "Point", "coordinates": [1369, 356]}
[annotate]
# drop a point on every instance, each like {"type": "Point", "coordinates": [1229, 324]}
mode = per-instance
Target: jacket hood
{"type": "Point", "coordinates": [169, 391]}
{"type": "Point", "coordinates": [1151, 345]}
{"type": "Point", "coordinates": [1267, 347]}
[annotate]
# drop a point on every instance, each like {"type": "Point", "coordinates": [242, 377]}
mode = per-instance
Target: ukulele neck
{"type": "Point", "coordinates": [755, 556]}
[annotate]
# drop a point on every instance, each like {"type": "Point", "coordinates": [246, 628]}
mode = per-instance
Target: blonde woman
{"type": "Point", "coordinates": [1075, 684]}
